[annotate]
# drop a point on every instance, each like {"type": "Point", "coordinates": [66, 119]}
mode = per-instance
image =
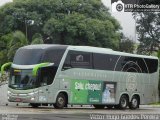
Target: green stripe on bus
{"type": "Point", "coordinates": [4, 66]}
{"type": "Point", "coordinates": [35, 69]}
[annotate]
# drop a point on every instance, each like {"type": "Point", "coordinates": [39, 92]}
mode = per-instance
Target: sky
{"type": "Point", "coordinates": [125, 19]}
{"type": "Point", "coordinates": [2, 2]}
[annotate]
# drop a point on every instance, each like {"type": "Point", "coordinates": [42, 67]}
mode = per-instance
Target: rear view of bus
{"type": "Point", "coordinates": [33, 69]}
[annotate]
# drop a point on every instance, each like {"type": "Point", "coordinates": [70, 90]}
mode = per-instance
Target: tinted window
{"type": "Point", "coordinates": [46, 75]}
{"type": "Point", "coordinates": [104, 61]}
{"type": "Point", "coordinates": [134, 64]}
{"type": "Point", "coordinates": [36, 56]}
{"type": "Point", "coordinates": [152, 65]}
{"type": "Point", "coordinates": [53, 56]}
{"type": "Point", "coordinates": [76, 59]}
{"type": "Point", "coordinates": [28, 56]}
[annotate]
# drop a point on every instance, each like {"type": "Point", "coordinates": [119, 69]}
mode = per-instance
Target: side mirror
{"type": "Point", "coordinates": [4, 66]}
{"type": "Point", "coordinates": [38, 66]}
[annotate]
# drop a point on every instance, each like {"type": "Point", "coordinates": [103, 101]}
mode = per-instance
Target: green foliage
{"type": "Point", "coordinates": [158, 54]}
{"type": "Point", "coordinates": [4, 46]}
{"type": "Point", "coordinates": [148, 32]}
{"type": "Point", "coordinates": [18, 41]}
{"type": "Point", "coordinates": [127, 45]}
{"type": "Point", "coordinates": [77, 22]}
{"type": "Point", "coordinates": [77, 29]}
{"type": "Point", "coordinates": [37, 39]}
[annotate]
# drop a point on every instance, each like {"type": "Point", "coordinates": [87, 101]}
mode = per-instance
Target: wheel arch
{"type": "Point", "coordinates": [65, 93]}
{"type": "Point", "coordinates": [126, 94]}
{"type": "Point", "coordinates": [136, 95]}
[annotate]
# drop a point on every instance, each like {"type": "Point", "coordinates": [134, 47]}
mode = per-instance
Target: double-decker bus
{"type": "Point", "coordinates": [82, 75]}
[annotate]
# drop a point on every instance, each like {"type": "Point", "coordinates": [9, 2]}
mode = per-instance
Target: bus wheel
{"type": "Point", "coordinates": [109, 106]}
{"type": "Point", "coordinates": [60, 101]}
{"type": "Point", "coordinates": [35, 105]}
{"type": "Point", "coordinates": [123, 103]}
{"type": "Point", "coordinates": [134, 104]}
{"type": "Point", "coordinates": [99, 106]}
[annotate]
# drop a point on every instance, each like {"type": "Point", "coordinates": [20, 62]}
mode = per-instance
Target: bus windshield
{"type": "Point", "coordinates": [22, 79]}
{"type": "Point", "coordinates": [28, 56]}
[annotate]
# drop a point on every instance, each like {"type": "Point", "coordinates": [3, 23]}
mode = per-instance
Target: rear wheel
{"type": "Point", "coordinates": [99, 106]}
{"type": "Point", "coordinates": [60, 101]}
{"type": "Point", "coordinates": [123, 103]}
{"type": "Point", "coordinates": [134, 104]}
{"type": "Point", "coordinates": [35, 105]}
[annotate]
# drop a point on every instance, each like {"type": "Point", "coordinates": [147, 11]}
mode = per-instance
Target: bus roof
{"type": "Point", "coordinates": [85, 49]}
{"type": "Point", "coordinates": [44, 46]}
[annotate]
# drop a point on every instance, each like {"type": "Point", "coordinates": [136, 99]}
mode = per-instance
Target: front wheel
{"type": "Point", "coordinates": [134, 104]}
{"type": "Point", "coordinates": [123, 103]}
{"type": "Point", "coordinates": [60, 101]}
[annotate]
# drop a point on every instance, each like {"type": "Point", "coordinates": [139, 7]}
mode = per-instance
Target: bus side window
{"type": "Point", "coordinates": [78, 59]}
{"type": "Point", "coordinates": [67, 64]}
{"type": "Point", "coordinates": [47, 75]}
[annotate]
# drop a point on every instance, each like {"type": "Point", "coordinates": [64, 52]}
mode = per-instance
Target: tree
{"type": "Point", "coordinates": [37, 39]}
{"type": "Point", "coordinates": [158, 55]}
{"type": "Point", "coordinates": [148, 31]}
{"type": "Point", "coordinates": [78, 22]}
{"type": "Point", "coordinates": [127, 45]}
{"type": "Point", "coordinates": [18, 41]}
{"type": "Point", "coordinates": [4, 45]}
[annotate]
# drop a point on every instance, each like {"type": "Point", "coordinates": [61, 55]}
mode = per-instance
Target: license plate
{"type": "Point", "coordinates": [18, 100]}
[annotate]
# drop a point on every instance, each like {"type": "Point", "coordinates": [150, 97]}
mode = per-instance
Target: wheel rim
{"type": "Point", "coordinates": [123, 103]}
{"type": "Point", "coordinates": [61, 101]}
{"type": "Point", "coordinates": [134, 102]}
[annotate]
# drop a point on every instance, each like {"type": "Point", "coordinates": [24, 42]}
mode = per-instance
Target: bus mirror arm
{"type": "Point", "coordinates": [4, 66]}
{"type": "Point", "coordinates": [38, 66]}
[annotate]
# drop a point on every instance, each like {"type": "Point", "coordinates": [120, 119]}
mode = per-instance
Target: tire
{"type": "Point", "coordinates": [35, 105]}
{"type": "Point", "coordinates": [60, 101]}
{"type": "Point", "coordinates": [123, 103]}
{"type": "Point", "coordinates": [134, 104]}
{"type": "Point", "coordinates": [109, 106]}
{"type": "Point", "coordinates": [99, 106]}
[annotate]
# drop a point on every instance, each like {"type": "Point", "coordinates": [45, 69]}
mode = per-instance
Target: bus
{"type": "Point", "coordinates": [62, 75]}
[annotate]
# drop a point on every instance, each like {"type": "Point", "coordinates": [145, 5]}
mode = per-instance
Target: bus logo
{"type": "Point", "coordinates": [79, 58]}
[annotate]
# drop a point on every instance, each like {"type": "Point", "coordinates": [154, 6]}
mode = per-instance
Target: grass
{"type": "Point", "coordinates": [157, 103]}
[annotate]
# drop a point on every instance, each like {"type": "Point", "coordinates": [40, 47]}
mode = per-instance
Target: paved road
{"type": "Point", "coordinates": [77, 113]}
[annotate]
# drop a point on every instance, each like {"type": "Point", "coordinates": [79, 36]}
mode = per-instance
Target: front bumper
{"type": "Point", "coordinates": [23, 98]}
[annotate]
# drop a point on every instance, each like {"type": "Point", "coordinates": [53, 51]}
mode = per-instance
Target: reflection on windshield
{"type": "Point", "coordinates": [22, 79]}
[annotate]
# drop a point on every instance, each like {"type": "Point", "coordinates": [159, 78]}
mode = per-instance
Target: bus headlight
{"type": "Point", "coordinates": [32, 99]}
{"type": "Point", "coordinates": [32, 93]}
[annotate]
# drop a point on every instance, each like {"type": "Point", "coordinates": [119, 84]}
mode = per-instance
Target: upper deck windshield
{"type": "Point", "coordinates": [39, 54]}
{"type": "Point", "coordinates": [28, 56]}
